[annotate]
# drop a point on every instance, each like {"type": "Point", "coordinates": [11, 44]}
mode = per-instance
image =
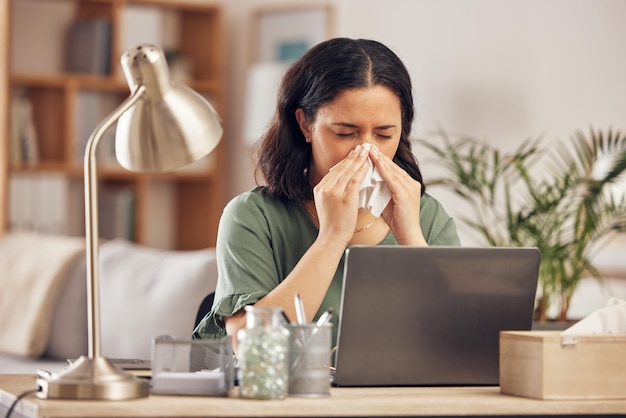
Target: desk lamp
{"type": "Point", "coordinates": [162, 126]}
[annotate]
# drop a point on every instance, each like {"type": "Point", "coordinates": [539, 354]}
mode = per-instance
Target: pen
{"type": "Point", "coordinates": [322, 321]}
{"type": "Point", "coordinates": [285, 317]}
{"type": "Point", "coordinates": [324, 318]}
{"type": "Point", "coordinates": [299, 309]}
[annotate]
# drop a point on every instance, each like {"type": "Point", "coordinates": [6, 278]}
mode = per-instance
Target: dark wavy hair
{"type": "Point", "coordinates": [320, 75]}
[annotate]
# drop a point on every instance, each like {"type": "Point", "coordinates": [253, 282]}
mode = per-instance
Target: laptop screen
{"type": "Point", "coordinates": [431, 315]}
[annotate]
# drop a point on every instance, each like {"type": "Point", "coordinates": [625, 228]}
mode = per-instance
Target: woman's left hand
{"type": "Point", "coordinates": [402, 214]}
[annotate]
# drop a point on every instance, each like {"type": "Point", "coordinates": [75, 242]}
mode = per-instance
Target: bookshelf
{"type": "Point", "coordinates": [55, 97]}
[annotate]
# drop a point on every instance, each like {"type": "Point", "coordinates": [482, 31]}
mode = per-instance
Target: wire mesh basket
{"type": "Point", "coordinates": [192, 367]}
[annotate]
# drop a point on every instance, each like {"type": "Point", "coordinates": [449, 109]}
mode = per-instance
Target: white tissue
{"type": "Point", "coordinates": [374, 195]}
{"type": "Point", "coordinates": [608, 320]}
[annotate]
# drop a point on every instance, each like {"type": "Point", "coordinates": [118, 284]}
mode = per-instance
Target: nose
{"type": "Point", "coordinates": [367, 146]}
{"type": "Point", "coordinates": [367, 140]}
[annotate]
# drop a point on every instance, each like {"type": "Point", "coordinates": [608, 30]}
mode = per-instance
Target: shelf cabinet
{"type": "Point", "coordinates": [52, 105]}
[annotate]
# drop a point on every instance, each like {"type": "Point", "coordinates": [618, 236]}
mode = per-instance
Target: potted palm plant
{"type": "Point", "coordinates": [562, 207]}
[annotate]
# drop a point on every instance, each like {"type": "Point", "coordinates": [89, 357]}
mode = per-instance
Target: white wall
{"type": "Point", "coordinates": [506, 68]}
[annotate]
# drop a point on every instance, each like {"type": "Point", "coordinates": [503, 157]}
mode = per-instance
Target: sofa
{"type": "Point", "coordinates": [144, 293]}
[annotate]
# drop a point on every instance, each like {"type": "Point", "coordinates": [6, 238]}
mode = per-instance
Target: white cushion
{"type": "Point", "coordinates": [147, 292]}
{"type": "Point", "coordinates": [68, 332]}
{"type": "Point", "coordinates": [33, 269]}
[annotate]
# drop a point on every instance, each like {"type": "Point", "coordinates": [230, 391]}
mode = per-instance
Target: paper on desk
{"type": "Point", "coordinates": [608, 320]}
{"type": "Point", "coordinates": [374, 195]}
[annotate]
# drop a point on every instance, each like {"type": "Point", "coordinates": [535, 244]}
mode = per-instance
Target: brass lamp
{"type": "Point", "coordinates": [162, 126]}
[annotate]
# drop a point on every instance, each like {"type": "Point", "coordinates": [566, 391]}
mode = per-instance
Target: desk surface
{"type": "Point", "coordinates": [343, 402]}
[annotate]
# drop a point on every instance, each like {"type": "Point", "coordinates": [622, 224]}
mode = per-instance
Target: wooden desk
{"type": "Point", "coordinates": [343, 402]}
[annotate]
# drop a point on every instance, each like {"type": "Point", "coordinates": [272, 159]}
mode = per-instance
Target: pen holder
{"type": "Point", "coordinates": [309, 360]}
{"type": "Point", "coordinates": [192, 367]}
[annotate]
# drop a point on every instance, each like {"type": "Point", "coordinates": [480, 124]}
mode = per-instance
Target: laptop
{"type": "Point", "coordinates": [431, 316]}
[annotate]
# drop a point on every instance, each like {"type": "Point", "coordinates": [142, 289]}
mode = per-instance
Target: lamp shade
{"type": "Point", "coordinates": [170, 126]}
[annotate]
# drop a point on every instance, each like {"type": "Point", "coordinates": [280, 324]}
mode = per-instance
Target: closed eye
{"type": "Point", "coordinates": [385, 131]}
{"type": "Point", "coordinates": [345, 135]}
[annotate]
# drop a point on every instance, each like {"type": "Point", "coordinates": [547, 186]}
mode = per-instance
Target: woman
{"type": "Point", "coordinates": [289, 236]}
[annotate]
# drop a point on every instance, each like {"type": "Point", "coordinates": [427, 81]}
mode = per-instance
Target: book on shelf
{"type": "Point", "coordinates": [91, 108]}
{"type": "Point", "coordinates": [23, 143]}
{"type": "Point", "coordinates": [43, 202]}
{"type": "Point", "coordinates": [116, 207]}
{"type": "Point", "coordinates": [89, 46]}
{"type": "Point", "coordinates": [15, 148]}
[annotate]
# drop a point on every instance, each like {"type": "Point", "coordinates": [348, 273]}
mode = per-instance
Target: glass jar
{"type": "Point", "coordinates": [263, 354]}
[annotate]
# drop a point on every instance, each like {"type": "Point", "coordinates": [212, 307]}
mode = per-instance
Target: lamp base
{"type": "Point", "coordinates": [93, 378]}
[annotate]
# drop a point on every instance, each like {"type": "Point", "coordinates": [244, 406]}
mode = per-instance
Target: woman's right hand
{"type": "Point", "coordinates": [337, 198]}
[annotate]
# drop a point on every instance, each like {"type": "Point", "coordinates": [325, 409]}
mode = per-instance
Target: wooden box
{"type": "Point", "coordinates": [546, 365]}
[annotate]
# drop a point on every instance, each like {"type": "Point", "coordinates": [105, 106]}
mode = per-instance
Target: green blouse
{"type": "Point", "coordinates": [261, 239]}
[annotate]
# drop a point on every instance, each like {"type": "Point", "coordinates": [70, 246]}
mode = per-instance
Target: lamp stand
{"type": "Point", "coordinates": [94, 376]}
